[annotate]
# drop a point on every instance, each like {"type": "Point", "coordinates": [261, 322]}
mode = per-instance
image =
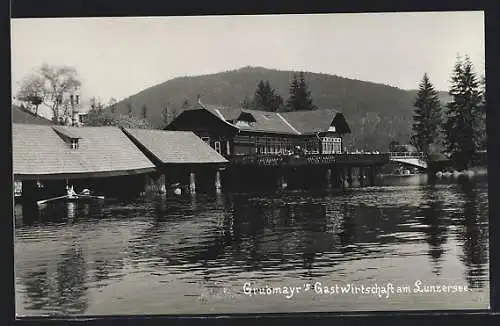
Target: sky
{"type": "Point", "coordinates": [118, 57]}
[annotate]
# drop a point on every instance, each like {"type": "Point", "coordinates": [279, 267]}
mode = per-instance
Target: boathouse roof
{"type": "Point", "coordinates": [292, 123]}
{"type": "Point", "coordinates": [174, 147]}
{"type": "Point", "coordinates": [43, 152]}
{"type": "Point", "coordinates": [22, 115]}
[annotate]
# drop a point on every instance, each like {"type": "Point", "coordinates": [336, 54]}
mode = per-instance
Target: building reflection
{"type": "Point", "coordinates": [63, 288]}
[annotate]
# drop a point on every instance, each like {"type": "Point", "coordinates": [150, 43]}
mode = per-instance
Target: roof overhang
{"type": "Point", "coordinates": [81, 175]}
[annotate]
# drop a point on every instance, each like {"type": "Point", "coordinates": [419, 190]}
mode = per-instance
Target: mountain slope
{"type": "Point", "coordinates": [376, 113]}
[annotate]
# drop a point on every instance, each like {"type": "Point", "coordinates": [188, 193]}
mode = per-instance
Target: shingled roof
{"type": "Point", "coordinates": [21, 115]}
{"type": "Point", "coordinates": [308, 122]}
{"type": "Point", "coordinates": [293, 123]}
{"type": "Point", "coordinates": [174, 147]}
{"type": "Point", "coordinates": [40, 152]}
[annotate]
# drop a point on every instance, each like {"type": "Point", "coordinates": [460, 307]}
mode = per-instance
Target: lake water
{"type": "Point", "coordinates": [190, 255]}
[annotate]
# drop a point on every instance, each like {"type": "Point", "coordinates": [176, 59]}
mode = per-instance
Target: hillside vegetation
{"type": "Point", "coordinates": [377, 114]}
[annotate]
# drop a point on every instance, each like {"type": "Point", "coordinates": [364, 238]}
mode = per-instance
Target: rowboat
{"type": "Point", "coordinates": [70, 198]}
{"type": "Point", "coordinates": [82, 197]}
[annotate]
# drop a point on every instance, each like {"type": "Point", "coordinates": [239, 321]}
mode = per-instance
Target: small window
{"type": "Point", "coordinates": [206, 139]}
{"type": "Point", "coordinates": [74, 144]}
{"type": "Point", "coordinates": [228, 147]}
{"type": "Point", "coordinates": [217, 147]}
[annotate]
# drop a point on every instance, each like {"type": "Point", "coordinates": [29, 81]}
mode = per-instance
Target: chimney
{"type": "Point", "coordinates": [76, 117]}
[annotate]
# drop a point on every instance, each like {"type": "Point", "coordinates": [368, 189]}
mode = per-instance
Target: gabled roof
{"type": "Point", "coordinates": [309, 122]}
{"type": "Point", "coordinates": [175, 147]}
{"type": "Point", "coordinates": [270, 122]}
{"type": "Point", "coordinates": [39, 151]}
{"type": "Point", "coordinates": [293, 123]}
{"type": "Point", "coordinates": [21, 115]}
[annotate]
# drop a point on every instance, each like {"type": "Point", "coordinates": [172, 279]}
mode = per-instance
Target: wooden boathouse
{"type": "Point", "coordinates": [46, 158]}
{"type": "Point", "coordinates": [111, 161]}
{"type": "Point", "coordinates": [180, 157]}
{"type": "Point", "coordinates": [301, 148]}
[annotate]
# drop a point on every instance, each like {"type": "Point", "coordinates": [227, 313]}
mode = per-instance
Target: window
{"type": "Point", "coordinates": [74, 144]}
{"type": "Point", "coordinates": [206, 139]}
{"type": "Point", "coordinates": [228, 147]}
{"type": "Point", "coordinates": [217, 147]}
{"type": "Point", "coordinates": [337, 147]}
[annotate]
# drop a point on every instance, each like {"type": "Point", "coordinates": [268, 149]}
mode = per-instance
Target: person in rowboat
{"type": "Point", "coordinates": [70, 191]}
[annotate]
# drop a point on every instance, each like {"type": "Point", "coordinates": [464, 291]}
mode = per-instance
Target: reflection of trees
{"type": "Point", "coordinates": [63, 290]}
{"type": "Point", "coordinates": [474, 237]}
{"type": "Point", "coordinates": [71, 272]}
{"type": "Point", "coordinates": [436, 230]}
{"type": "Point", "coordinates": [37, 288]}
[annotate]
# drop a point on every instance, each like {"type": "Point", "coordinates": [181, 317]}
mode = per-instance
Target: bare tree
{"type": "Point", "coordinates": [50, 85]}
{"type": "Point", "coordinates": [32, 92]}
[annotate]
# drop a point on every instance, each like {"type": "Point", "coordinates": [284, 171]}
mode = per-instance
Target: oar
{"type": "Point", "coordinates": [40, 202]}
{"type": "Point", "coordinates": [89, 196]}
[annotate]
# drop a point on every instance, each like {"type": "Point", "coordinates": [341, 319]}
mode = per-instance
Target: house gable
{"type": "Point", "coordinates": [201, 121]}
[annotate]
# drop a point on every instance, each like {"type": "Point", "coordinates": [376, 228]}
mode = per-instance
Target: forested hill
{"type": "Point", "coordinates": [376, 113]}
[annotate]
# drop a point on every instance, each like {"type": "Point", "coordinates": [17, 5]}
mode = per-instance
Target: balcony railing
{"type": "Point", "coordinates": [310, 159]}
{"type": "Point", "coordinates": [406, 154]}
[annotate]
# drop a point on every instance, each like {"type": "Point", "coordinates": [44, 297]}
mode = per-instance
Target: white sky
{"type": "Point", "coordinates": [118, 57]}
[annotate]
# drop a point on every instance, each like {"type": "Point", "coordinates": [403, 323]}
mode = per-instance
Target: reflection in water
{"type": "Point", "coordinates": [60, 291]}
{"type": "Point", "coordinates": [65, 252]}
{"type": "Point", "coordinates": [435, 229]}
{"type": "Point", "coordinates": [71, 206]}
{"type": "Point", "coordinates": [474, 236]}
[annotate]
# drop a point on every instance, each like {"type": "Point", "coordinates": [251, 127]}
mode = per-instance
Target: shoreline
{"type": "Point", "coordinates": [469, 173]}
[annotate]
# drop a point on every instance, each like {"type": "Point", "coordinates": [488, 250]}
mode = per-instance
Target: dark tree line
{"type": "Point", "coordinates": [463, 122]}
{"type": "Point", "coordinates": [266, 98]}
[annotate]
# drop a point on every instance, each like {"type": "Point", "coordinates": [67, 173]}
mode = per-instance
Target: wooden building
{"type": "Point", "coordinates": [46, 158]}
{"type": "Point", "coordinates": [237, 132]}
{"type": "Point", "coordinates": [180, 157]}
{"type": "Point", "coordinates": [109, 160]}
{"type": "Point", "coordinates": [301, 147]}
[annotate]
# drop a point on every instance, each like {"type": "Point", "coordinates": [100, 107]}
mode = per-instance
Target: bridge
{"type": "Point", "coordinates": [416, 159]}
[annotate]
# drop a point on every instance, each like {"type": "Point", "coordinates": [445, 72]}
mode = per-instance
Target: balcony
{"type": "Point", "coordinates": [278, 160]}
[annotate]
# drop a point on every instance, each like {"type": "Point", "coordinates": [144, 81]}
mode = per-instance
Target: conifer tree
{"type": "Point", "coordinates": [481, 123]}
{"type": "Point", "coordinates": [300, 96]}
{"type": "Point", "coordinates": [292, 101]}
{"type": "Point", "coordinates": [144, 111]}
{"type": "Point", "coordinates": [427, 116]}
{"type": "Point", "coordinates": [460, 127]}
{"type": "Point", "coordinates": [265, 98]}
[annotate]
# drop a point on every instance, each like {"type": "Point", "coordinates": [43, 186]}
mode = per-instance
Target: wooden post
{"type": "Point", "coordinates": [192, 182]}
{"type": "Point", "coordinates": [162, 187]}
{"type": "Point", "coordinates": [282, 180]}
{"type": "Point", "coordinates": [349, 175]}
{"type": "Point", "coordinates": [218, 184]}
{"type": "Point", "coordinates": [361, 176]}
{"type": "Point", "coordinates": [329, 178]}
